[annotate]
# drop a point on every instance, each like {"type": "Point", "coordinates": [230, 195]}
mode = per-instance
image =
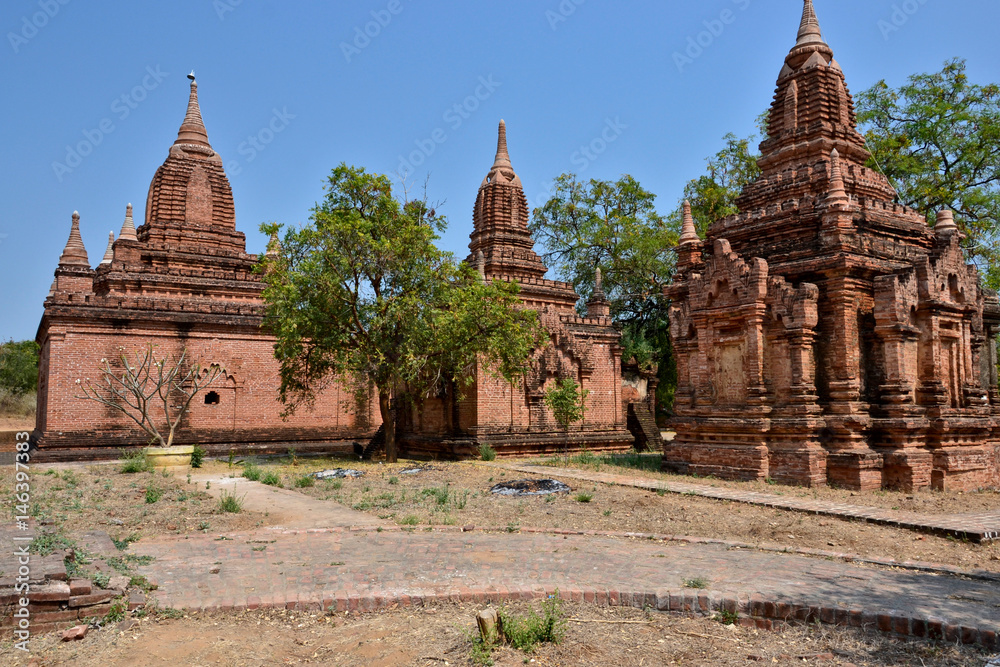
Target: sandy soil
{"type": "Point", "coordinates": [458, 494]}
{"type": "Point", "coordinates": [17, 424]}
{"type": "Point", "coordinates": [440, 636]}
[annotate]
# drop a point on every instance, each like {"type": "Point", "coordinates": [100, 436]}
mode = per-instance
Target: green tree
{"type": "Point", "coordinates": [937, 138]}
{"type": "Point", "coordinates": [362, 295]}
{"type": "Point", "coordinates": [614, 226]}
{"type": "Point", "coordinates": [19, 366]}
{"type": "Point", "coordinates": [567, 402]}
{"type": "Point", "coordinates": [713, 194]}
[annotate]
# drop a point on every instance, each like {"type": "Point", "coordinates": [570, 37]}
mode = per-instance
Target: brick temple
{"type": "Point", "coordinates": [514, 419]}
{"type": "Point", "coordinates": [182, 280]}
{"type": "Point", "coordinates": [827, 334]}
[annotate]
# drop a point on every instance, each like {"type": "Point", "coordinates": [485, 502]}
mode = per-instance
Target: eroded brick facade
{"type": "Point", "coordinates": [515, 419]}
{"type": "Point", "coordinates": [182, 280]}
{"type": "Point", "coordinates": [826, 333]}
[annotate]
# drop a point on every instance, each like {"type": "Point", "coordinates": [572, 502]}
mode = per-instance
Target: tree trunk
{"type": "Point", "coordinates": [389, 422]}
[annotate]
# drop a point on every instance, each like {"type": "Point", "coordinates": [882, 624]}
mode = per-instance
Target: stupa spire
{"type": "Point", "coordinates": [809, 30]}
{"type": "Point", "coordinates": [74, 254]}
{"type": "Point", "coordinates": [503, 157]}
{"type": "Point", "coordinates": [109, 254]}
{"type": "Point", "coordinates": [273, 246]}
{"type": "Point", "coordinates": [193, 130]}
{"type": "Point", "coordinates": [689, 233]}
{"type": "Point", "coordinates": [128, 227]}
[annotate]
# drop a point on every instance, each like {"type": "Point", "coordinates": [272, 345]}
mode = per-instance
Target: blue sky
{"type": "Point", "coordinates": [565, 74]}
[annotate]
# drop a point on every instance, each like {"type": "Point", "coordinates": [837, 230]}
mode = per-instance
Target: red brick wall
{"type": "Point", "coordinates": [248, 394]}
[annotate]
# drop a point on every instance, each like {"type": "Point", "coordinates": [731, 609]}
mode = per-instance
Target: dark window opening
{"type": "Point", "coordinates": [211, 398]}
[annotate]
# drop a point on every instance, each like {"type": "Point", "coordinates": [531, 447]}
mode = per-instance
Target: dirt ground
{"type": "Point", "coordinates": [925, 502]}
{"type": "Point", "coordinates": [74, 499]}
{"type": "Point", "coordinates": [458, 494]}
{"type": "Point", "coordinates": [17, 424]}
{"type": "Point", "coordinates": [441, 636]}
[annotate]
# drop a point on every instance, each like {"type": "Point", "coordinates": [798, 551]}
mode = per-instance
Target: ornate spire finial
{"type": "Point", "coordinates": [836, 175]}
{"type": "Point", "coordinates": [503, 157]}
{"type": "Point", "coordinates": [273, 246]}
{"type": "Point", "coordinates": [837, 195]}
{"type": "Point", "coordinates": [689, 233]}
{"type": "Point", "coordinates": [945, 222]}
{"type": "Point", "coordinates": [74, 254]}
{"type": "Point", "coordinates": [128, 227]}
{"type": "Point", "coordinates": [193, 128]}
{"type": "Point", "coordinates": [809, 30]}
{"type": "Point", "coordinates": [598, 286]}
{"type": "Point", "coordinates": [109, 254]}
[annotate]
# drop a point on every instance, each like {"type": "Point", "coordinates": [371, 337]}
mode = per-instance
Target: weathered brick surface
{"type": "Point", "coordinates": [827, 333]}
{"type": "Point", "coordinates": [421, 568]}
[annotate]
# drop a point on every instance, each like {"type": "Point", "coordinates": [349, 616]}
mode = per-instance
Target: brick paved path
{"type": "Point", "coordinates": [983, 527]}
{"type": "Point", "coordinates": [369, 569]}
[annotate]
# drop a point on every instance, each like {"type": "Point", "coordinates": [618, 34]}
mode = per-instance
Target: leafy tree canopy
{"type": "Point", "coordinates": [614, 226]}
{"type": "Point", "coordinates": [362, 293]}
{"type": "Point", "coordinates": [713, 194]}
{"type": "Point", "coordinates": [937, 138]}
{"type": "Point", "coordinates": [19, 366]}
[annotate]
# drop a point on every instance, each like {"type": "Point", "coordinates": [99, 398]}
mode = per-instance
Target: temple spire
{"type": "Point", "coordinates": [598, 286]}
{"type": "Point", "coordinates": [689, 233]}
{"type": "Point", "coordinates": [809, 30]}
{"type": "Point", "coordinates": [74, 254]}
{"type": "Point", "coordinates": [273, 246]}
{"type": "Point", "coordinates": [503, 157]}
{"type": "Point", "coordinates": [109, 254]}
{"type": "Point", "coordinates": [128, 227]}
{"type": "Point", "coordinates": [193, 130]}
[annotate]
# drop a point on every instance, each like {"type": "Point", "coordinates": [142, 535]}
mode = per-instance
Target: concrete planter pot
{"type": "Point", "coordinates": [170, 457]}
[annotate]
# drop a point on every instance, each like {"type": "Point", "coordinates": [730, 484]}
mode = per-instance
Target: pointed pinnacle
{"type": "Point", "coordinates": [503, 157]}
{"type": "Point", "coordinates": [273, 246]}
{"type": "Point", "coordinates": [599, 294]}
{"type": "Point", "coordinates": [109, 254]}
{"type": "Point", "coordinates": [74, 254]}
{"type": "Point", "coordinates": [128, 227]}
{"type": "Point", "coordinates": [193, 128]}
{"type": "Point", "coordinates": [809, 30]}
{"type": "Point", "coordinates": [689, 233]}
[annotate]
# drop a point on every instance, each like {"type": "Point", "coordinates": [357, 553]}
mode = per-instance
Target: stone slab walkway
{"type": "Point", "coordinates": [372, 568]}
{"type": "Point", "coordinates": [284, 507]}
{"type": "Point", "coordinates": [981, 528]}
